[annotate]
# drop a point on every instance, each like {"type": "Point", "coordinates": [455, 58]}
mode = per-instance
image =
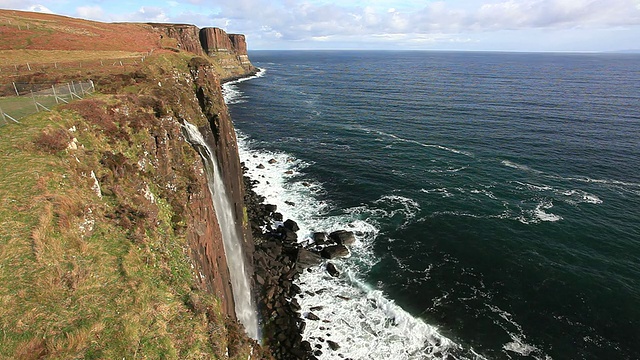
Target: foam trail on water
{"type": "Point", "coordinates": [436, 146]}
{"type": "Point", "coordinates": [244, 305]}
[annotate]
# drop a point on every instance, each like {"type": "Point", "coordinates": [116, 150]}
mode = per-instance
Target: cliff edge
{"type": "Point", "coordinates": [110, 242]}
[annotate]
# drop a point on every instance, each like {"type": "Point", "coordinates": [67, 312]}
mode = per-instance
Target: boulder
{"type": "Point", "coordinates": [332, 270]}
{"type": "Point", "coordinates": [306, 346]}
{"type": "Point", "coordinates": [343, 237]}
{"type": "Point", "coordinates": [335, 251]}
{"type": "Point", "coordinates": [260, 166]}
{"type": "Point", "coordinates": [333, 345]}
{"type": "Point", "coordinates": [307, 258]}
{"type": "Point", "coordinates": [277, 216]}
{"type": "Point", "coordinates": [287, 235]}
{"type": "Point", "coordinates": [312, 316]}
{"type": "Point", "coordinates": [272, 161]}
{"type": "Point", "coordinates": [291, 225]}
{"type": "Point", "coordinates": [270, 208]}
{"type": "Point", "coordinates": [320, 238]}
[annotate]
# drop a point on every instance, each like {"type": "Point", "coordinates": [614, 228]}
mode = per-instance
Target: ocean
{"type": "Point", "coordinates": [495, 197]}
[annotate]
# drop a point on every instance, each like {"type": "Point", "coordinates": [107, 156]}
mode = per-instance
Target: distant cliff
{"type": "Point", "coordinates": [229, 51]}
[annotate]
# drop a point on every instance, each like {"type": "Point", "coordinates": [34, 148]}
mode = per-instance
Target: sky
{"type": "Point", "coordinates": [493, 25]}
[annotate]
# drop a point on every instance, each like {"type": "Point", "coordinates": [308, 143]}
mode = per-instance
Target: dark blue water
{"type": "Point", "coordinates": [504, 188]}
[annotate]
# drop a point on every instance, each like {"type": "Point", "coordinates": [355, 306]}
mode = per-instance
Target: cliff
{"type": "Point", "coordinates": [110, 241]}
{"type": "Point", "coordinates": [227, 51]}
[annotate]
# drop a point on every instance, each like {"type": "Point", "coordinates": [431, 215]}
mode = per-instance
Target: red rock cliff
{"type": "Point", "coordinates": [238, 43]}
{"type": "Point", "coordinates": [215, 40]}
{"type": "Point", "coordinates": [187, 36]}
{"type": "Point", "coordinates": [228, 50]}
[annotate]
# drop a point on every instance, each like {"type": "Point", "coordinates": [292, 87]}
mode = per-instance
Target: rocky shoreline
{"type": "Point", "coordinates": [279, 259]}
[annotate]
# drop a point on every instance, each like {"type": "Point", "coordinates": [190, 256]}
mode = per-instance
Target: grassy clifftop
{"type": "Point", "coordinates": [104, 210]}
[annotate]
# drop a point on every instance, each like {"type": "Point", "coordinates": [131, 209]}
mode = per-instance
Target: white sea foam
{"type": "Point", "coordinates": [534, 187]}
{"type": "Point", "coordinates": [231, 93]}
{"type": "Point", "coordinates": [441, 191]}
{"type": "Point", "coordinates": [436, 146]}
{"type": "Point", "coordinates": [514, 165]}
{"type": "Point", "coordinates": [484, 192]}
{"type": "Point", "coordinates": [539, 214]}
{"type": "Point", "coordinates": [448, 170]}
{"type": "Point", "coordinates": [518, 342]}
{"type": "Point", "coordinates": [579, 196]}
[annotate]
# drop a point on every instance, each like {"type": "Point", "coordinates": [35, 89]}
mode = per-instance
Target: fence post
{"type": "Point", "coordinates": [16, 89]}
{"type": "Point", "coordinates": [5, 116]}
{"type": "Point", "coordinates": [34, 101]}
{"type": "Point", "coordinates": [29, 66]}
{"type": "Point", "coordinates": [4, 120]}
{"type": "Point", "coordinates": [55, 96]}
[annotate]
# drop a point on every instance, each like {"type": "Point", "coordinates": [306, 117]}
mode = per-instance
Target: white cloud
{"type": "Point", "coordinates": [40, 8]}
{"type": "Point", "coordinates": [94, 12]}
{"type": "Point", "coordinates": [326, 21]}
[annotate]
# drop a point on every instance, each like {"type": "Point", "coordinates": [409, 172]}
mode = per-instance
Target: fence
{"type": "Point", "coordinates": [106, 64]}
{"type": "Point", "coordinates": [28, 99]}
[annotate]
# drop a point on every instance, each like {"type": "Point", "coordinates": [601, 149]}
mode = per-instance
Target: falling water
{"type": "Point", "coordinates": [245, 308]}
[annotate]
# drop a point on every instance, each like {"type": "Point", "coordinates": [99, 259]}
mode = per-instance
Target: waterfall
{"type": "Point", "coordinates": [245, 307]}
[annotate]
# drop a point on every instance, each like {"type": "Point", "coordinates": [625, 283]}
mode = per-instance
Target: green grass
{"type": "Point", "coordinates": [77, 281]}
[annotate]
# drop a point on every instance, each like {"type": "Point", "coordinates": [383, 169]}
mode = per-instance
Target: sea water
{"type": "Point", "coordinates": [495, 197]}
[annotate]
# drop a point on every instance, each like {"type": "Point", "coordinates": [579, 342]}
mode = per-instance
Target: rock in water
{"type": "Point", "coordinates": [343, 237]}
{"type": "Point", "coordinates": [333, 270]}
{"type": "Point", "coordinates": [307, 258]}
{"type": "Point", "coordinates": [320, 238]}
{"type": "Point", "coordinates": [312, 316]}
{"type": "Point", "coordinates": [291, 225]}
{"type": "Point", "coordinates": [332, 252]}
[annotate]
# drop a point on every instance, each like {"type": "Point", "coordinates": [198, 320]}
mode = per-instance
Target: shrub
{"type": "Point", "coordinates": [98, 113]}
{"type": "Point", "coordinates": [53, 140]}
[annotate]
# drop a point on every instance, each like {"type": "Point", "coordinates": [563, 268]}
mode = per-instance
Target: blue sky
{"type": "Point", "coordinates": [502, 25]}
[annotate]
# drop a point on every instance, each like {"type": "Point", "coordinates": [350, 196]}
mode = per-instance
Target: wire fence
{"type": "Point", "coordinates": [114, 64]}
{"type": "Point", "coordinates": [28, 99]}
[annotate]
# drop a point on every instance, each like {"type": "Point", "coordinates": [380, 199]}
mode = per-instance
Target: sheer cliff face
{"type": "Point", "coordinates": [229, 51]}
{"type": "Point", "coordinates": [186, 35]}
{"type": "Point", "coordinates": [239, 43]}
{"type": "Point", "coordinates": [189, 87]}
{"type": "Point", "coordinates": [177, 164]}
{"type": "Point", "coordinates": [223, 57]}
{"type": "Point", "coordinates": [221, 136]}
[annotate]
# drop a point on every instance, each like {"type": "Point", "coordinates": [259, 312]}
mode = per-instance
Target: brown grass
{"type": "Point", "coordinates": [53, 140]}
{"type": "Point", "coordinates": [32, 349]}
{"type": "Point", "coordinates": [38, 31]}
{"type": "Point", "coordinates": [58, 58]}
{"type": "Point", "coordinates": [39, 234]}
{"type": "Point", "coordinates": [122, 288]}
